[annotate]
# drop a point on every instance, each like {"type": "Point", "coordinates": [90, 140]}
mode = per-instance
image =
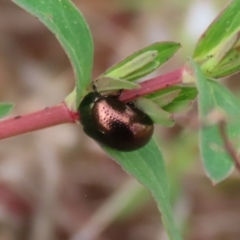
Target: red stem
{"type": "Point", "coordinates": [61, 114]}
{"type": "Point", "coordinates": [37, 120]}
{"type": "Point", "coordinates": [153, 85]}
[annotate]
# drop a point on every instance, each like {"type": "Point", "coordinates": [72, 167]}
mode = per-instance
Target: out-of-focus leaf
{"type": "Point", "coordinates": [5, 109]}
{"type": "Point", "coordinates": [215, 98]}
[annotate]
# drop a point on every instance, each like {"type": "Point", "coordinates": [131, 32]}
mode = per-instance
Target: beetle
{"type": "Point", "coordinates": [113, 123]}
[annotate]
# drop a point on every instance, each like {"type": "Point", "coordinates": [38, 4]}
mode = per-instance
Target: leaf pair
{"type": "Point", "coordinates": [218, 55]}
{"type": "Point", "coordinates": [218, 50]}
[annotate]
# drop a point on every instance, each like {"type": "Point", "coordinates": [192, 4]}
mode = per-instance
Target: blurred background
{"type": "Point", "coordinates": [57, 183]}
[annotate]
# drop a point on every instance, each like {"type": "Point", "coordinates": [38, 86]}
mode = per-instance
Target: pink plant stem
{"type": "Point", "coordinates": [153, 85]}
{"type": "Point", "coordinates": [37, 120]}
{"type": "Point", "coordinates": [61, 114]}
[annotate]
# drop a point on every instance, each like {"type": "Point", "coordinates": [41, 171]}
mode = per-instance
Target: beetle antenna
{"type": "Point", "coordinates": [119, 93]}
{"type": "Point", "coordinates": [94, 87]}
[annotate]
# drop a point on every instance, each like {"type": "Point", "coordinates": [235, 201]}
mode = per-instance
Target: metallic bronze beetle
{"type": "Point", "coordinates": [116, 124]}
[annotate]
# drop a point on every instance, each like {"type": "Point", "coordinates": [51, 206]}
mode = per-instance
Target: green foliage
{"type": "Point", "coordinates": [143, 62]}
{"type": "Point", "coordinates": [175, 98]}
{"type": "Point", "coordinates": [111, 84]}
{"type": "Point", "coordinates": [5, 109]}
{"type": "Point", "coordinates": [230, 63]}
{"type": "Point", "coordinates": [215, 102]}
{"type": "Point", "coordinates": [183, 100]}
{"type": "Point", "coordinates": [157, 114]}
{"type": "Point", "coordinates": [217, 51]}
{"type": "Point", "coordinates": [163, 97]}
{"type": "Point", "coordinates": [217, 54]}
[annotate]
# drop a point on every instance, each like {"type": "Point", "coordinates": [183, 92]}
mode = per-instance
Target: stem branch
{"type": "Point", "coordinates": [61, 114]}
{"type": "Point", "coordinates": [153, 85]}
{"type": "Point", "coordinates": [37, 120]}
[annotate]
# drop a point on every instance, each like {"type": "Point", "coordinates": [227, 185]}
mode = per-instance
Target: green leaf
{"type": "Point", "coordinates": [183, 100]}
{"type": "Point", "coordinates": [175, 98]}
{"type": "Point", "coordinates": [164, 98]}
{"type": "Point", "coordinates": [143, 61]}
{"type": "Point", "coordinates": [110, 84]}
{"type": "Point", "coordinates": [219, 39]}
{"type": "Point", "coordinates": [157, 114]}
{"type": "Point", "coordinates": [5, 109]}
{"type": "Point", "coordinates": [71, 29]}
{"type": "Point", "coordinates": [229, 65]}
{"type": "Point", "coordinates": [147, 166]}
{"type": "Point", "coordinates": [213, 97]}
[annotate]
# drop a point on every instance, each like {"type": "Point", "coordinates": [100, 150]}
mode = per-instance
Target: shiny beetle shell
{"type": "Point", "coordinates": [113, 123]}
